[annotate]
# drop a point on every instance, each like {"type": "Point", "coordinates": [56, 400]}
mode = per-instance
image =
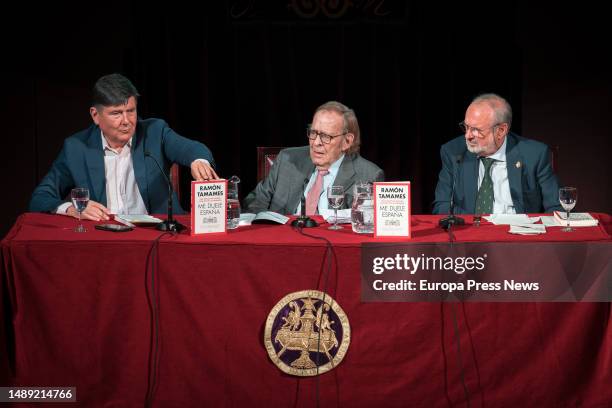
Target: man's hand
{"type": "Point", "coordinates": [201, 170]}
{"type": "Point", "coordinates": [94, 211]}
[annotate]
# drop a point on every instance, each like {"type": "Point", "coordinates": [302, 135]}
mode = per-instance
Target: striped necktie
{"type": "Point", "coordinates": [312, 198]}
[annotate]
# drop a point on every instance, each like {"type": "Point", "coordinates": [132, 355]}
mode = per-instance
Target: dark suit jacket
{"type": "Point", "coordinates": [81, 164]}
{"type": "Point", "coordinates": [282, 189]}
{"type": "Point", "coordinates": [533, 185]}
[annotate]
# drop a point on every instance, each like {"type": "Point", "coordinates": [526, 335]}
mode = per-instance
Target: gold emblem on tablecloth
{"type": "Point", "coordinates": [307, 333]}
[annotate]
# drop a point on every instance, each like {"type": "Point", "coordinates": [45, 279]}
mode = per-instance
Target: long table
{"type": "Point", "coordinates": [123, 316]}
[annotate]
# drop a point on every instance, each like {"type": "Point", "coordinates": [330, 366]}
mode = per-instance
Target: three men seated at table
{"type": "Point", "coordinates": [489, 169]}
{"type": "Point", "coordinates": [332, 158]}
{"type": "Point", "coordinates": [493, 170]}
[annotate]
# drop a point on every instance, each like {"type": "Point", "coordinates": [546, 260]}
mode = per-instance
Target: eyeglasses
{"type": "Point", "coordinates": [325, 138]}
{"type": "Point", "coordinates": [480, 132]}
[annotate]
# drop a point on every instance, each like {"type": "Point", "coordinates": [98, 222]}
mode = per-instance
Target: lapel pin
{"type": "Point", "coordinates": [518, 164]}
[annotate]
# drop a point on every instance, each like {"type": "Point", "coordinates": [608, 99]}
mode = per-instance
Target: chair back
{"type": "Point", "coordinates": [554, 158]}
{"type": "Point", "coordinates": [175, 179]}
{"type": "Point", "coordinates": [266, 156]}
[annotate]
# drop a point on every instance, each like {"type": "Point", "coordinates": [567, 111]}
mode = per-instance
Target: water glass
{"type": "Point", "coordinates": [362, 209]}
{"type": "Point", "coordinates": [335, 199]}
{"type": "Point", "coordinates": [233, 203]}
{"type": "Point", "coordinates": [568, 197]}
{"type": "Point", "coordinates": [80, 198]}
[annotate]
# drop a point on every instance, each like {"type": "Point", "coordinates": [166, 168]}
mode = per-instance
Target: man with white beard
{"type": "Point", "coordinates": [494, 170]}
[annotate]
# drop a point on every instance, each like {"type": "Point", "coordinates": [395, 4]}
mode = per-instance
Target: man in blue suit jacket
{"type": "Point", "coordinates": [521, 173]}
{"type": "Point", "coordinates": [109, 158]}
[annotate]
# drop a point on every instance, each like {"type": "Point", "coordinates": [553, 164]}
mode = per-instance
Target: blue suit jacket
{"type": "Point", "coordinates": [81, 164]}
{"type": "Point", "coordinates": [533, 185]}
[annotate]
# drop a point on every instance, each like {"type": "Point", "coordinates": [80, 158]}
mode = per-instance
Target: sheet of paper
{"type": "Point", "coordinates": [511, 219]}
{"type": "Point", "coordinates": [549, 221]}
{"type": "Point", "coordinates": [532, 229]}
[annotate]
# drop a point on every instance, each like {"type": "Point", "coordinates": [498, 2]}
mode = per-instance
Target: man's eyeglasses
{"type": "Point", "coordinates": [325, 138]}
{"type": "Point", "coordinates": [480, 132]}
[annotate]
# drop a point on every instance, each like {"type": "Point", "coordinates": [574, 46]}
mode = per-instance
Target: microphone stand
{"type": "Point", "coordinates": [450, 220]}
{"type": "Point", "coordinates": [170, 224]}
{"type": "Point", "coordinates": [304, 221]}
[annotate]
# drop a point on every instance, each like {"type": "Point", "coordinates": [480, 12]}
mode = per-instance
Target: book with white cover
{"type": "Point", "coordinates": [392, 210]}
{"type": "Point", "coordinates": [576, 219]}
{"type": "Point", "coordinates": [208, 207]}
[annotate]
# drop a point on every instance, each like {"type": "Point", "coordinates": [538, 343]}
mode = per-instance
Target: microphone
{"type": "Point", "coordinates": [170, 224]}
{"type": "Point", "coordinates": [304, 221]}
{"type": "Point", "coordinates": [451, 219]}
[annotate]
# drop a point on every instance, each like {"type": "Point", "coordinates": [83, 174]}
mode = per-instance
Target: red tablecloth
{"type": "Point", "coordinates": [77, 312]}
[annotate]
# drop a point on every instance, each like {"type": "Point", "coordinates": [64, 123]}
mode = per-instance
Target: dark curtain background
{"type": "Point", "coordinates": [247, 73]}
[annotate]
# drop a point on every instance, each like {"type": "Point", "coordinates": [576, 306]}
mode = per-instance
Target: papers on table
{"type": "Point", "coordinates": [511, 219]}
{"type": "Point", "coordinates": [520, 224]}
{"type": "Point", "coordinates": [532, 229]}
{"type": "Point", "coordinates": [549, 221]}
{"type": "Point", "coordinates": [344, 216]}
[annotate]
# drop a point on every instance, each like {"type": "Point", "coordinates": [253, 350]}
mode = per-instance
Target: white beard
{"type": "Point", "coordinates": [479, 150]}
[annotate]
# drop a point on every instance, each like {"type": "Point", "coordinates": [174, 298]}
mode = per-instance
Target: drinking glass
{"type": "Point", "coordinates": [233, 203]}
{"type": "Point", "coordinates": [567, 198]}
{"type": "Point", "coordinates": [362, 208]}
{"type": "Point", "coordinates": [335, 199]}
{"type": "Point", "coordinates": [80, 198]}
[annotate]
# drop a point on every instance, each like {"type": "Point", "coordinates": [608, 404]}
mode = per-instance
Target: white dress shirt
{"type": "Point", "coordinates": [328, 180]}
{"type": "Point", "coordinates": [122, 193]}
{"type": "Point", "coordinates": [502, 199]}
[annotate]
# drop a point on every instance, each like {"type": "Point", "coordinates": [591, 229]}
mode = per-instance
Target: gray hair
{"type": "Point", "coordinates": [350, 122]}
{"type": "Point", "coordinates": [501, 107]}
{"type": "Point", "coordinates": [113, 89]}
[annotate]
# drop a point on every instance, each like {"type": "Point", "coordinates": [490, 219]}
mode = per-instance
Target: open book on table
{"type": "Point", "coordinates": [264, 217]}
